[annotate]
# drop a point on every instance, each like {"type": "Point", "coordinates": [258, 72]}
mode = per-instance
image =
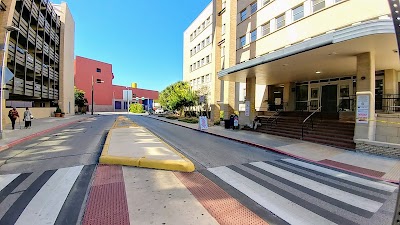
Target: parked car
{"type": "Point", "coordinates": [159, 111]}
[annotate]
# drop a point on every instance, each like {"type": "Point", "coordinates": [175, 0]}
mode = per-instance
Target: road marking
{"type": "Point", "coordinates": [6, 179]}
{"type": "Point", "coordinates": [351, 199]}
{"type": "Point", "coordinates": [344, 176]}
{"type": "Point", "coordinates": [280, 206]}
{"type": "Point", "coordinates": [46, 205]}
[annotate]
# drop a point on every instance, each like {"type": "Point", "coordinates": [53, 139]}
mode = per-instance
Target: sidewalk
{"type": "Point", "coordinates": [131, 145]}
{"type": "Point", "coordinates": [374, 166]}
{"type": "Point", "coordinates": [39, 127]}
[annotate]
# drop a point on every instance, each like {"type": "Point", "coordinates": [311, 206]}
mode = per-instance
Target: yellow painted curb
{"type": "Point", "coordinates": [184, 165]}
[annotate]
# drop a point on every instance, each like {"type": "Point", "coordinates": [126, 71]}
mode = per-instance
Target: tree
{"type": "Point", "coordinates": [80, 99]}
{"type": "Point", "coordinates": [177, 96]}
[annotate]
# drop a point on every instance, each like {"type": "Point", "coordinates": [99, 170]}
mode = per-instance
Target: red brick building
{"type": "Point", "coordinates": [107, 97]}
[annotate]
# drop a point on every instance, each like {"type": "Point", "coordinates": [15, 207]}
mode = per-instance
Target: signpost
{"type": "Point", "coordinates": [203, 123]}
{"type": "Point", "coordinates": [127, 96]}
{"type": "Point", "coordinates": [247, 108]}
{"type": "Point", "coordinates": [362, 108]}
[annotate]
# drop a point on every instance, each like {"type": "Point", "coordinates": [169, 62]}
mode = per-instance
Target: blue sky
{"type": "Point", "coordinates": [143, 40]}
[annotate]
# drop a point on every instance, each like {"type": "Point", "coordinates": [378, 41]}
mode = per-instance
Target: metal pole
{"type": "Point", "coordinates": [92, 95]}
{"type": "Point", "coordinates": [3, 71]}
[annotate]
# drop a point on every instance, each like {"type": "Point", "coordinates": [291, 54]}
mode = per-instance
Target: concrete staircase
{"type": "Point", "coordinates": [326, 128]}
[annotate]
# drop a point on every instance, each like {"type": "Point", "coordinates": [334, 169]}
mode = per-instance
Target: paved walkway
{"type": "Point", "coordinates": [39, 127]}
{"type": "Point", "coordinates": [132, 145]}
{"type": "Point", "coordinates": [366, 164]}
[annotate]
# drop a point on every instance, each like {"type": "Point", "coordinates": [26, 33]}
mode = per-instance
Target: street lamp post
{"type": "Point", "coordinates": [9, 29]}
{"type": "Point", "coordinates": [97, 81]}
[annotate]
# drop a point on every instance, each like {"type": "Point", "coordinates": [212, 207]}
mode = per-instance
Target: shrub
{"type": "Point", "coordinates": [189, 120]}
{"type": "Point", "coordinates": [217, 122]}
{"type": "Point", "coordinates": [136, 108]}
{"type": "Point", "coordinates": [171, 117]}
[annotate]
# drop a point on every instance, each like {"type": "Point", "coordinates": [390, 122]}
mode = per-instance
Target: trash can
{"type": "Point", "coordinates": [227, 124]}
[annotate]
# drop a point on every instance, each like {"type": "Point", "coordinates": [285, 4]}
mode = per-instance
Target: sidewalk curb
{"type": "Point", "coordinates": [29, 137]}
{"type": "Point", "coordinates": [279, 151]}
{"type": "Point", "coordinates": [105, 158]}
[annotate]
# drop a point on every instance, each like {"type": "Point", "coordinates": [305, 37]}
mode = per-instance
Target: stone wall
{"type": "Point", "coordinates": [378, 148]}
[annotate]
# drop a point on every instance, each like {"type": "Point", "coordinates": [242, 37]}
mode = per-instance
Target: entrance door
{"type": "Point", "coordinates": [329, 98]}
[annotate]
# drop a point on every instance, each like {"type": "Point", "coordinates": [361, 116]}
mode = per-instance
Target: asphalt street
{"type": "Point", "coordinates": [281, 189]}
{"type": "Point", "coordinates": [51, 174]}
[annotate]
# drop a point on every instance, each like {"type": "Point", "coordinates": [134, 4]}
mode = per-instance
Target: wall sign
{"type": "Point", "coordinates": [362, 108]}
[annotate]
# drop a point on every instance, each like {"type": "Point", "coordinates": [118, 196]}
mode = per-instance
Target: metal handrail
{"type": "Point", "coordinates": [306, 119]}
{"type": "Point", "coordinates": [276, 119]}
{"type": "Point", "coordinates": [275, 114]}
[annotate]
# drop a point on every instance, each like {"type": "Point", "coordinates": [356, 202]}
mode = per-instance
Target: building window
{"type": "Point", "coordinates": [198, 80]}
{"type": "Point", "coordinates": [203, 25]}
{"type": "Point", "coordinates": [318, 4]}
{"type": "Point", "coordinates": [207, 59]}
{"type": "Point", "coordinates": [202, 61]}
{"type": "Point", "coordinates": [202, 80]}
{"type": "Point", "coordinates": [223, 28]}
{"type": "Point", "coordinates": [242, 41]}
{"type": "Point", "coordinates": [208, 78]}
{"type": "Point", "coordinates": [98, 70]}
{"type": "Point", "coordinates": [298, 12]}
{"type": "Point", "coordinates": [280, 21]}
{"type": "Point", "coordinates": [208, 20]}
{"type": "Point", "coordinates": [191, 52]}
{"type": "Point", "coordinates": [243, 15]}
{"type": "Point", "coordinates": [253, 35]}
{"type": "Point", "coordinates": [202, 44]}
{"type": "Point", "coordinates": [222, 51]}
{"type": "Point", "coordinates": [254, 7]}
{"type": "Point", "coordinates": [194, 33]}
{"type": "Point", "coordinates": [191, 68]}
{"type": "Point", "coordinates": [266, 29]}
{"type": "Point", "coordinates": [191, 36]}
{"type": "Point", "coordinates": [265, 2]}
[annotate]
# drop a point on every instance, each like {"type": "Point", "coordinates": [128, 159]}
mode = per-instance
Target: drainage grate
{"type": "Point", "coordinates": [224, 208]}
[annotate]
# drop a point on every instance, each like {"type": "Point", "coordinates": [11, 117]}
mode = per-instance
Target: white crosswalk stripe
{"type": "Point", "coordinates": [291, 190]}
{"type": "Point", "coordinates": [379, 185]}
{"type": "Point", "coordinates": [47, 203]}
{"type": "Point", "coordinates": [44, 197]}
{"type": "Point", "coordinates": [278, 205]}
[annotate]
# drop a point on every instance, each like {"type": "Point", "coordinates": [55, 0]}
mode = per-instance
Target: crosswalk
{"type": "Point", "coordinates": [41, 197]}
{"type": "Point", "coordinates": [305, 193]}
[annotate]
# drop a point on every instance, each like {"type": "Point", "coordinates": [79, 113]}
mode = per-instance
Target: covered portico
{"type": "Point", "coordinates": [323, 72]}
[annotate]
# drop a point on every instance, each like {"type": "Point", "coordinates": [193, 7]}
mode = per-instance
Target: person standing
{"type": "Point", "coordinates": [13, 115]}
{"type": "Point", "coordinates": [27, 118]}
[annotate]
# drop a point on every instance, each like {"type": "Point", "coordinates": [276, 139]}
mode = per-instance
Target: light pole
{"type": "Point", "coordinates": [9, 29]}
{"type": "Point", "coordinates": [97, 81]}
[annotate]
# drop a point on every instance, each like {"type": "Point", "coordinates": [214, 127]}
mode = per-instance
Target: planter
{"type": "Point", "coordinates": [62, 114]}
{"type": "Point", "coordinates": [57, 114]}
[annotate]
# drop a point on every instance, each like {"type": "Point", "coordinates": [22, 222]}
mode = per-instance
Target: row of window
{"type": "Point", "coordinates": [204, 61]}
{"type": "Point", "coordinates": [281, 21]}
{"type": "Point", "coordinates": [201, 80]}
{"type": "Point", "coordinates": [200, 46]}
{"type": "Point", "coordinates": [200, 28]}
{"type": "Point", "coordinates": [253, 9]}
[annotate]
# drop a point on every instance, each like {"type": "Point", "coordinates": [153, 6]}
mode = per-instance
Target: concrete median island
{"type": "Point", "coordinates": [131, 145]}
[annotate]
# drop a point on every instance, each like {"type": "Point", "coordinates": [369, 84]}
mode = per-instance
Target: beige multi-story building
{"type": "Point", "coordinates": [40, 56]}
{"type": "Point", "coordinates": [307, 56]}
{"type": "Point", "coordinates": [197, 55]}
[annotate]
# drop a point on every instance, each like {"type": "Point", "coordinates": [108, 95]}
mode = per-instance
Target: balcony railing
{"type": "Point", "coordinates": [29, 88]}
{"type": "Point", "coordinates": [39, 43]}
{"type": "Point", "coordinates": [18, 86]}
{"type": "Point", "coordinates": [38, 66]}
{"type": "Point", "coordinates": [45, 70]}
{"type": "Point", "coordinates": [15, 18]}
{"type": "Point", "coordinates": [35, 11]}
{"type": "Point", "coordinates": [29, 61]}
{"type": "Point", "coordinates": [389, 103]}
{"type": "Point", "coordinates": [38, 90]}
{"type": "Point", "coordinates": [23, 25]}
{"type": "Point", "coordinates": [47, 27]}
{"type": "Point", "coordinates": [45, 93]}
{"type": "Point", "coordinates": [32, 35]}
{"type": "Point", "coordinates": [41, 19]}
{"type": "Point", "coordinates": [28, 4]}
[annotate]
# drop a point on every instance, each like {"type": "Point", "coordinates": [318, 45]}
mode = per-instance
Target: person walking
{"type": "Point", "coordinates": [13, 115]}
{"type": "Point", "coordinates": [28, 118]}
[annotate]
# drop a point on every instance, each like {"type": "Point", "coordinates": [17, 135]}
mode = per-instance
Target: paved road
{"type": "Point", "coordinates": [45, 180]}
{"type": "Point", "coordinates": [271, 184]}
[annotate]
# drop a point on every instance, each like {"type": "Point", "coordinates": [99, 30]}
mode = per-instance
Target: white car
{"type": "Point", "coordinates": [159, 111]}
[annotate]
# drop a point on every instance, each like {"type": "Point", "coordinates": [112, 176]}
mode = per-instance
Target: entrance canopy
{"type": "Point", "coordinates": [329, 55]}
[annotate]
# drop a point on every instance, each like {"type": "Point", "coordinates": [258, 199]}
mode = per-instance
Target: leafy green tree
{"type": "Point", "coordinates": [80, 99]}
{"type": "Point", "coordinates": [136, 108]}
{"type": "Point", "coordinates": [177, 96]}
